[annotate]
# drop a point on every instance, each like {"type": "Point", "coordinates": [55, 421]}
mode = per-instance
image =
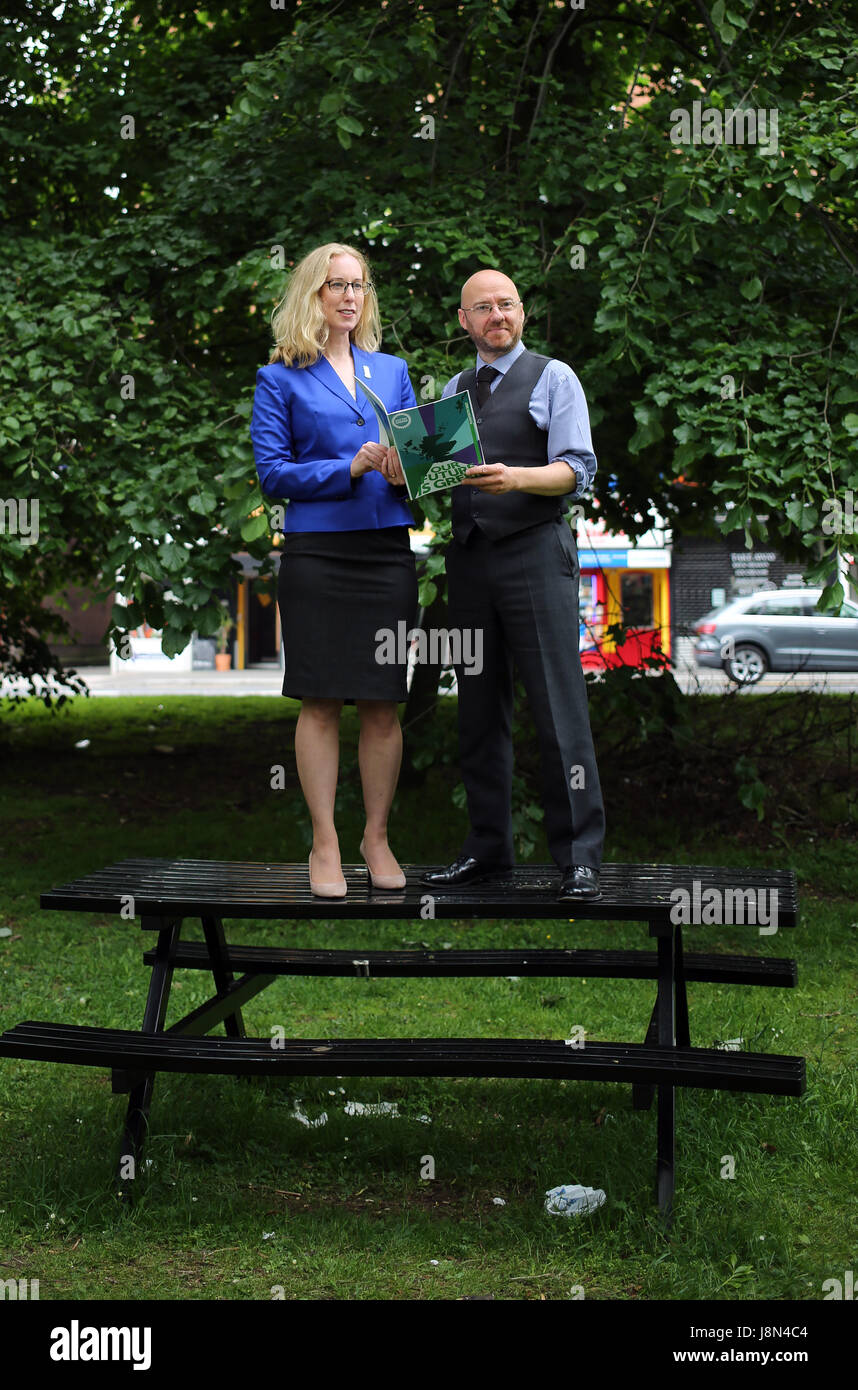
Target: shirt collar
{"type": "Point", "coordinates": [503, 364]}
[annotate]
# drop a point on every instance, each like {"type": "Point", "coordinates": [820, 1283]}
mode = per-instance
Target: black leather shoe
{"type": "Point", "coordinates": [463, 870]}
{"type": "Point", "coordinates": [579, 884]}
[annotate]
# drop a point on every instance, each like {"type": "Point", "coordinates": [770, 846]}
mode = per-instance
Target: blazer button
{"type": "Point", "coordinates": [360, 420]}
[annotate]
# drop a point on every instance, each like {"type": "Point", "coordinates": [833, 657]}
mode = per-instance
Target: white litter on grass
{"type": "Point", "coordinates": [513, 979]}
{"type": "Point", "coordinates": [423, 1120]}
{"type": "Point", "coordinates": [730, 1045]}
{"type": "Point", "coordinates": [383, 1107]}
{"type": "Point", "coordinates": [5, 931]}
{"type": "Point", "coordinates": [298, 1114]}
{"type": "Point", "coordinates": [267, 1235]}
{"type": "Point", "coordinates": [82, 743]}
{"type": "Point", "coordinates": [571, 1199]}
{"type": "Point", "coordinates": [499, 1201]}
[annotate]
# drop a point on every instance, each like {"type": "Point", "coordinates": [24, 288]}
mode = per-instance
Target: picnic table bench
{"type": "Point", "coordinates": [162, 893]}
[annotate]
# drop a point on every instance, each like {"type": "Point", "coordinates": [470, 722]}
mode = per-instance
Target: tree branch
{"type": "Point", "coordinates": [546, 72]}
{"type": "Point", "coordinates": [521, 72]}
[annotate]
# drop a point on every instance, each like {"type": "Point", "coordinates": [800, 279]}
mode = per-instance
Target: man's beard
{"type": "Point", "coordinates": [482, 343]}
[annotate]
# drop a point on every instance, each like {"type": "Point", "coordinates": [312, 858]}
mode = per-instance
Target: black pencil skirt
{"type": "Point", "coordinates": [338, 590]}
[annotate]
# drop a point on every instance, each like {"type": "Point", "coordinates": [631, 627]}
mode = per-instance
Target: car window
{"type": "Point", "coordinates": [778, 606]}
{"type": "Point", "coordinates": [787, 607]}
{"type": "Point", "coordinates": [847, 609]}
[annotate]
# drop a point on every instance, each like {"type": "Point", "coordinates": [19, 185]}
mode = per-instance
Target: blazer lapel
{"type": "Point", "coordinates": [363, 373]}
{"type": "Point", "coordinates": [327, 377]}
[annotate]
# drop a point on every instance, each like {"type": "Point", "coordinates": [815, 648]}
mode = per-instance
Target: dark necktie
{"type": "Point", "coordinates": [485, 377]}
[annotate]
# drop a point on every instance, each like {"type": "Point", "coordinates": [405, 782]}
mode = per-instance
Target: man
{"type": "Point", "coordinates": [512, 570]}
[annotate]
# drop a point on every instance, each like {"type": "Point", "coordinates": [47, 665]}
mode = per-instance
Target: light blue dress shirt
{"type": "Point", "coordinates": [557, 405]}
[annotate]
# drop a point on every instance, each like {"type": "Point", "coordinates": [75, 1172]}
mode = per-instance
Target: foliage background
{"type": "Point", "coordinates": [166, 165]}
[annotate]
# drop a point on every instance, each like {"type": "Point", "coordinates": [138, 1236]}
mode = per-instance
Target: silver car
{"type": "Point", "coordinates": [777, 630]}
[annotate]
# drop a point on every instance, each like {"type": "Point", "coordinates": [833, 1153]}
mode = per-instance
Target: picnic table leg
{"type": "Point", "coordinates": [666, 1123]}
{"type": "Point", "coordinates": [643, 1094]}
{"type": "Point", "coordinates": [683, 1035]}
{"type": "Point", "coordinates": [140, 1099]}
{"type": "Point", "coordinates": [221, 973]}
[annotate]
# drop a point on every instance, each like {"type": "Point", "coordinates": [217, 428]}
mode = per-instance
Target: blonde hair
{"type": "Point", "coordinates": [298, 323]}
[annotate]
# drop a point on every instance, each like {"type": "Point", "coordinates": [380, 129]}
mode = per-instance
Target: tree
{"type": "Point", "coordinates": [704, 292]}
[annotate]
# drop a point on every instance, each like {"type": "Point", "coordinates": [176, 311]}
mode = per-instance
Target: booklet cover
{"type": "Point", "coordinates": [437, 443]}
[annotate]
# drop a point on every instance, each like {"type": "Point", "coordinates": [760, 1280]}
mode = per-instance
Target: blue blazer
{"type": "Point", "coordinates": [306, 429]}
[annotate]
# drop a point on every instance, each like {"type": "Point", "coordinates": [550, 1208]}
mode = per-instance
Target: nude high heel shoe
{"type": "Point", "coordinates": [384, 881]}
{"type": "Point", "coordinates": [338, 889]}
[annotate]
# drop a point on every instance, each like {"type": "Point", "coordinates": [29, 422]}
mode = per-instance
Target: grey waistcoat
{"type": "Point", "coordinates": [509, 436]}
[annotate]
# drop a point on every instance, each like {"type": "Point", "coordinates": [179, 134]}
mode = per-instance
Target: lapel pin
{"type": "Point", "coordinates": [366, 370]}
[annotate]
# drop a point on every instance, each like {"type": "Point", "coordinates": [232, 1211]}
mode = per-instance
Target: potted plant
{"type": "Point", "coordinates": [223, 660]}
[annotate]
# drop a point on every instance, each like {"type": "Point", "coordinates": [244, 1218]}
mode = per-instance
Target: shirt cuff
{"type": "Point", "coordinates": [582, 477]}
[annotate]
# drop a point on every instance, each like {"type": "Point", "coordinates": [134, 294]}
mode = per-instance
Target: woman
{"type": "Point", "coordinates": [346, 569]}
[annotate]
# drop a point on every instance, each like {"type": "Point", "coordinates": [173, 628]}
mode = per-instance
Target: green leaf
{"type": "Point", "coordinates": [801, 188]}
{"type": "Point", "coordinates": [254, 527]}
{"type": "Point", "coordinates": [172, 557]}
{"type": "Point", "coordinates": [428, 592]}
{"type": "Point", "coordinates": [350, 124]}
{"type": "Point", "coordinates": [174, 641]}
{"type": "Point", "coordinates": [752, 288]}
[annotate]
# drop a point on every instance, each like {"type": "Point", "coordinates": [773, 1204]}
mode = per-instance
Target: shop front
{"type": "Point", "coordinates": [622, 586]}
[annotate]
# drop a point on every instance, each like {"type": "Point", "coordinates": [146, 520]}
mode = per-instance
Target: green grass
{"type": "Point", "coordinates": [241, 1198]}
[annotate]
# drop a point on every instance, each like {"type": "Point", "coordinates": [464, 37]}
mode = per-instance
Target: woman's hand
{"type": "Point", "coordinates": [370, 455]}
{"type": "Point", "coordinates": [392, 469]}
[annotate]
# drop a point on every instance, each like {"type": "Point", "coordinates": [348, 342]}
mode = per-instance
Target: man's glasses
{"type": "Point", "coordinates": [505, 306]}
{"type": "Point", "coordinates": [340, 286]}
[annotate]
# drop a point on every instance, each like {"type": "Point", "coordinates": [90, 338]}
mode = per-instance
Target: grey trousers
{"type": "Point", "coordinates": [521, 593]}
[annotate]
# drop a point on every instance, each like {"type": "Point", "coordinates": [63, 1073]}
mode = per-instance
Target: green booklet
{"type": "Point", "coordinates": [437, 443]}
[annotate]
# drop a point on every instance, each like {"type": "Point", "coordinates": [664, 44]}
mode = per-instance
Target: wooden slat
{"type": "Point", "coordinates": [633, 965]}
{"type": "Point", "coordinates": [705, 1068]}
{"type": "Point", "coordinates": [195, 888]}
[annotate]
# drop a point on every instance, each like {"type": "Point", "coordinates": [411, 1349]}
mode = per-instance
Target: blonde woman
{"type": "Point", "coordinates": [346, 568]}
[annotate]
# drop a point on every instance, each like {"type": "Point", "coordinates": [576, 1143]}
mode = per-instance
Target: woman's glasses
{"type": "Point", "coordinates": [340, 286]}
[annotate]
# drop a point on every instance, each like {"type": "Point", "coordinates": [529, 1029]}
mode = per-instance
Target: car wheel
{"type": "Point", "coordinates": [747, 665]}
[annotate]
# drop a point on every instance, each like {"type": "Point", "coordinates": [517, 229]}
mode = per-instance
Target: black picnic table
{"type": "Point", "coordinates": [161, 894]}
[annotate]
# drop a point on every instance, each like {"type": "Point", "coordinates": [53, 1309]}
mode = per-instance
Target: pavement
{"type": "Point", "coordinates": [267, 680]}
{"type": "Point", "coordinates": [257, 680]}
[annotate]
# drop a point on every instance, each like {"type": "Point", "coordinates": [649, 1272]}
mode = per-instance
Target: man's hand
{"type": "Point", "coordinates": [555, 479]}
{"type": "Point", "coordinates": [492, 477]}
{"type": "Point", "coordinates": [392, 469]}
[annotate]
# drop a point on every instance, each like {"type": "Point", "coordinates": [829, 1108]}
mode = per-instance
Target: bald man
{"type": "Point", "coordinates": [512, 570]}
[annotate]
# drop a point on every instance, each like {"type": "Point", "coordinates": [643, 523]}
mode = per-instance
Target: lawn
{"type": "Point", "coordinates": [260, 1188]}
